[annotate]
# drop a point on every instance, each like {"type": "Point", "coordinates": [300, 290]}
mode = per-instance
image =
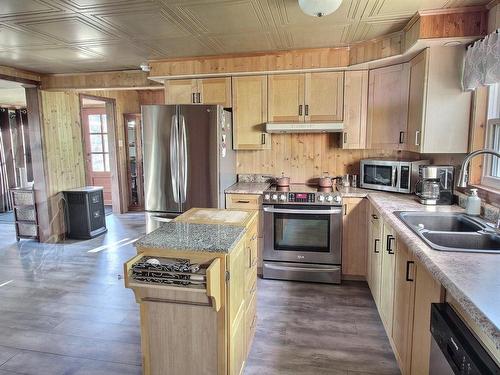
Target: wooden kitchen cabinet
{"type": "Point", "coordinates": [306, 97]}
{"type": "Point", "coordinates": [180, 91]}
{"type": "Point", "coordinates": [354, 238]}
{"type": "Point", "coordinates": [374, 256]}
{"type": "Point", "coordinates": [389, 250]}
{"type": "Point", "coordinates": [324, 97]}
{"type": "Point", "coordinates": [404, 294]}
{"type": "Point", "coordinates": [199, 91]}
{"type": "Point", "coordinates": [427, 291]}
{"type": "Point", "coordinates": [438, 108]}
{"type": "Point", "coordinates": [286, 98]}
{"type": "Point", "coordinates": [355, 109]}
{"type": "Point", "coordinates": [250, 113]}
{"type": "Point", "coordinates": [388, 107]}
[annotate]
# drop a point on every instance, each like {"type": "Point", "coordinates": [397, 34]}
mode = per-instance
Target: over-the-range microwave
{"type": "Point", "coordinates": [390, 175]}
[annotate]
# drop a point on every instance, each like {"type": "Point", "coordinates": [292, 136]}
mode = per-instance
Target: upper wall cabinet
{"type": "Point", "coordinates": [250, 113]}
{"type": "Point", "coordinates": [438, 109]}
{"type": "Point", "coordinates": [388, 107]}
{"type": "Point", "coordinates": [355, 108]}
{"type": "Point", "coordinates": [199, 91]}
{"type": "Point", "coordinates": [306, 97]}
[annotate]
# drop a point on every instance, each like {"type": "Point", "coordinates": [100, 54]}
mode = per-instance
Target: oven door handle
{"type": "Point", "coordinates": [293, 268]}
{"type": "Point", "coordinates": [305, 212]}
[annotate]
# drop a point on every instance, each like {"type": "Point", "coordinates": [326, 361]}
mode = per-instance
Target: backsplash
{"type": "Point", "coordinates": [488, 211]}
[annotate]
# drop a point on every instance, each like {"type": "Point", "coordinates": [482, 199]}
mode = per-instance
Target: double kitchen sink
{"type": "Point", "coordinates": [452, 231]}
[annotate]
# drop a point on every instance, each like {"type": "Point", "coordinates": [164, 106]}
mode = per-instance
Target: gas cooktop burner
{"type": "Point", "coordinates": [302, 194]}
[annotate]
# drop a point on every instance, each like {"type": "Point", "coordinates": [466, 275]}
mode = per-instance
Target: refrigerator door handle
{"type": "Point", "coordinates": [174, 161]}
{"type": "Point", "coordinates": [183, 160]}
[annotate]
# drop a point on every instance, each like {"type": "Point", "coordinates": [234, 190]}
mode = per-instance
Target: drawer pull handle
{"type": "Point", "coordinates": [241, 201]}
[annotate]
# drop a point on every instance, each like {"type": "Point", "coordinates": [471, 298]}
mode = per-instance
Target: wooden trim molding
{"type": "Point", "coordinates": [118, 80]}
{"type": "Point", "coordinates": [19, 75]}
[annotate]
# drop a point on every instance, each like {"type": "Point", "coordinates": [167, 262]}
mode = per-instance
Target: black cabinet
{"type": "Point", "coordinates": [85, 217]}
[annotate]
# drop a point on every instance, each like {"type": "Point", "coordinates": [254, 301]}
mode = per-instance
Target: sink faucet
{"type": "Point", "coordinates": [463, 176]}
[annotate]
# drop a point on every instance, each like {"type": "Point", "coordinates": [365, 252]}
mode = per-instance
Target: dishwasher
{"type": "Point", "coordinates": [454, 349]}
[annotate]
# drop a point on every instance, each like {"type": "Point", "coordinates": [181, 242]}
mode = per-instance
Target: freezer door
{"type": "Point", "coordinates": [160, 134]}
{"type": "Point", "coordinates": [198, 168]}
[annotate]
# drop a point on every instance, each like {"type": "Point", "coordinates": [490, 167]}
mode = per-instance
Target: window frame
{"type": "Point", "coordinates": [487, 179]}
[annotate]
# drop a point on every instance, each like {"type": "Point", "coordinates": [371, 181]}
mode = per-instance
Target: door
{"type": "Point", "coordinates": [160, 158]}
{"type": "Point", "coordinates": [387, 278]}
{"type": "Point", "coordinates": [215, 91]}
{"type": "Point", "coordinates": [375, 254]}
{"type": "Point", "coordinates": [198, 154]}
{"type": "Point", "coordinates": [355, 109]}
{"type": "Point", "coordinates": [427, 291]}
{"type": "Point", "coordinates": [250, 113]}
{"type": "Point", "coordinates": [388, 107]}
{"type": "Point", "coordinates": [416, 100]}
{"type": "Point", "coordinates": [286, 98]}
{"type": "Point", "coordinates": [404, 294]}
{"type": "Point", "coordinates": [354, 237]}
{"type": "Point", "coordinates": [133, 139]}
{"type": "Point", "coordinates": [181, 91]}
{"type": "Point", "coordinates": [324, 96]}
{"type": "Point", "coordinates": [97, 164]}
{"type": "Point", "coordinates": [303, 234]}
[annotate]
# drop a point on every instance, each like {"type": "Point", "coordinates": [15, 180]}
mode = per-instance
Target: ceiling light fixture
{"type": "Point", "coordinates": [319, 8]}
{"type": "Point", "coordinates": [145, 67]}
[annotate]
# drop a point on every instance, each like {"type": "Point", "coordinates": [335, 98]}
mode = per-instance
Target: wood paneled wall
{"type": "Point", "coordinates": [147, 97]}
{"type": "Point", "coordinates": [305, 156]}
{"type": "Point", "coordinates": [63, 151]}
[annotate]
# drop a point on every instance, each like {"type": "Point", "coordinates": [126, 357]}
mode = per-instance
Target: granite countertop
{"type": "Point", "coordinates": [212, 238]}
{"type": "Point", "coordinates": [470, 278]}
{"type": "Point", "coordinates": [248, 188]}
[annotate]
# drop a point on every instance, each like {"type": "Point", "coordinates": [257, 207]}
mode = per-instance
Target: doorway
{"type": "Point", "coordinates": [15, 158]}
{"type": "Point", "coordinates": [98, 126]}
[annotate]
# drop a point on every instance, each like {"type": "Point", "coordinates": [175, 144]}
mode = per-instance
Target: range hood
{"type": "Point", "coordinates": [307, 127]}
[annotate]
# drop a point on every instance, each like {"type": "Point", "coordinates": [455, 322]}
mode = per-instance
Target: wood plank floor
{"type": "Point", "coordinates": [64, 311]}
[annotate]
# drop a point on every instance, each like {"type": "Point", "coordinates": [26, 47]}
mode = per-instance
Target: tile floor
{"type": "Point", "coordinates": [64, 311]}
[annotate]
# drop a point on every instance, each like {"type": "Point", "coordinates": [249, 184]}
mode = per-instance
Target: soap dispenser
{"type": "Point", "coordinates": [473, 206]}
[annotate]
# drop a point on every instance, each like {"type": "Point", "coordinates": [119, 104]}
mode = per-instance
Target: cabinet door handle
{"type": "Point", "coordinates": [300, 109]}
{"type": "Point", "coordinates": [345, 209]}
{"type": "Point", "coordinates": [198, 95]}
{"type": "Point", "coordinates": [263, 138]}
{"type": "Point", "coordinates": [408, 263]}
{"type": "Point", "coordinates": [307, 109]}
{"type": "Point", "coordinates": [390, 238]}
{"type": "Point", "coordinates": [375, 217]}
{"type": "Point", "coordinates": [417, 138]}
{"type": "Point", "coordinates": [401, 137]}
{"type": "Point", "coordinates": [193, 99]}
{"type": "Point", "coordinates": [375, 246]}
{"type": "Point", "coordinates": [345, 137]}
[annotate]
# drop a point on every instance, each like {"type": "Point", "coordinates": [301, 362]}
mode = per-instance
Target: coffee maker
{"type": "Point", "coordinates": [435, 184]}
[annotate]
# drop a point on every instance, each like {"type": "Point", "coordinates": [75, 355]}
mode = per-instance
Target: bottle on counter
{"type": "Point", "coordinates": [473, 206]}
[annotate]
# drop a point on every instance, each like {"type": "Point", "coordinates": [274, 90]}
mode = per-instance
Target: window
{"type": "Point", "coordinates": [99, 151]}
{"type": "Point", "coordinates": [491, 170]}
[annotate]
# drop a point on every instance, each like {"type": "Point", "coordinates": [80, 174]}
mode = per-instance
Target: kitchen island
{"type": "Point", "coordinates": [195, 280]}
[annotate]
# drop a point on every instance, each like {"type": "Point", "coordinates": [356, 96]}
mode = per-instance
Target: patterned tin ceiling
{"type": "Point", "coordinates": [58, 36]}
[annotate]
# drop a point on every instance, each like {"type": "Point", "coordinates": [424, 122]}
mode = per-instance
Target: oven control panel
{"type": "Point", "coordinates": [331, 199]}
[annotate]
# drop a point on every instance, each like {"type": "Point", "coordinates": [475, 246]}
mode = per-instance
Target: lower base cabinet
{"type": "Point", "coordinates": [403, 291]}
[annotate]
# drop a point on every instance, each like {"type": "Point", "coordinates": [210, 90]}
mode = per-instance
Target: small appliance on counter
{"type": "Point", "coordinates": [435, 184]}
{"type": "Point", "coordinates": [399, 176]}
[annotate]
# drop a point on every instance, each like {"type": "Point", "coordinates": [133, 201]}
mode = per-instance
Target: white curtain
{"type": "Point", "coordinates": [482, 62]}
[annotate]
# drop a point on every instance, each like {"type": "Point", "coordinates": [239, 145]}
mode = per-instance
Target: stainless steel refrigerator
{"type": "Point", "coordinates": [188, 159]}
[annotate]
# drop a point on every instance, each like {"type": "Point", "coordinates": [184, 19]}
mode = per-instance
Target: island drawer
{"type": "Point", "coordinates": [157, 282]}
{"type": "Point", "coordinates": [246, 201]}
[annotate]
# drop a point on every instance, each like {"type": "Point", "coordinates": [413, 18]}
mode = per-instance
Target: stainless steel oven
{"type": "Point", "coordinates": [390, 175]}
{"type": "Point", "coordinates": [303, 241]}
